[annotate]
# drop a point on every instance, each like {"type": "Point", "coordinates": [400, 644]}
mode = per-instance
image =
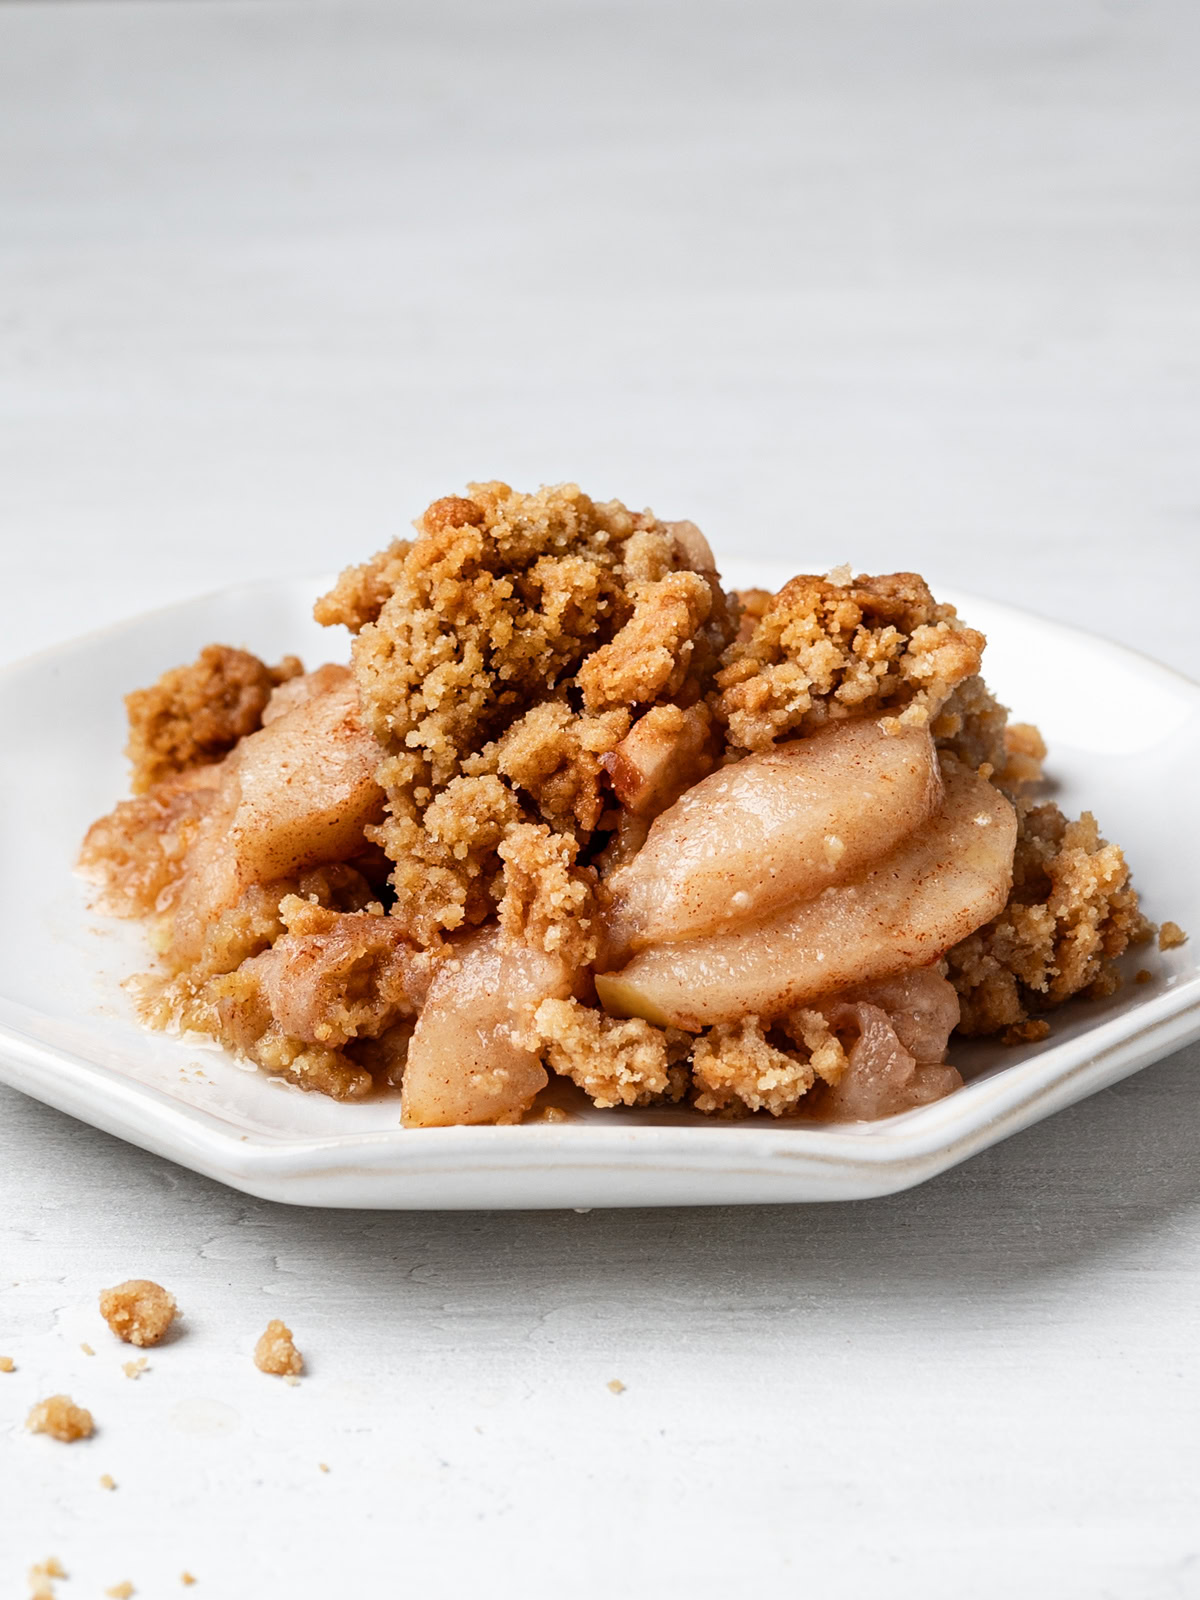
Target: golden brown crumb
{"type": "Point", "coordinates": [322, 1465]}
{"type": "Point", "coordinates": [87, 1349]}
{"type": "Point", "coordinates": [120, 1591]}
{"type": "Point", "coordinates": [194, 715]}
{"type": "Point", "coordinates": [1143, 976]}
{"type": "Point", "coordinates": [617, 1063]}
{"type": "Point", "coordinates": [1026, 1032]}
{"type": "Point", "coordinates": [1171, 936]}
{"type": "Point", "coordinates": [186, 1579]}
{"type": "Point", "coordinates": [616, 1386]}
{"type": "Point", "coordinates": [138, 1311]}
{"type": "Point", "coordinates": [41, 1575]}
{"type": "Point", "coordinates": [504, 608]}
{"type": "Point", "coordinates": [134, 1369]}
{"type": "Point", "coordinates": [107, 1481]}
{"type": "Point", "coordinates": [275, 1353]}
{"type": "Point", "coordinates": [7, 1364]}
{"type": "Point", "coordinates": [736, 1068]}
{"type": "Point", "coordinates": [1072, 912]}
{"type": "Point", "coordinates": [61, 1418]}
{"type": "Point", "coordinates": [822, 650]}
{"type": "Point", "coordinates": [358, 595]}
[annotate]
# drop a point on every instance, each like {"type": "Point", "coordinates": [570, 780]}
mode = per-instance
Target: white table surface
{"type": "Point", "coordinates": [911, 282]}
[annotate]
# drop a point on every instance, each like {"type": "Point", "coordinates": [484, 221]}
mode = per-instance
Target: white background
{"type": "Point", "coordinates": [909, 284]}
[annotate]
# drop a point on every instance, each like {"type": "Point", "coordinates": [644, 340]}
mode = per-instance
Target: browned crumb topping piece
{"type": "Point", "coordinates": [61, 1418]}
{"type": "Point", "coordinates": [519, 633]}
{"type": "Point", "coordinates": [322, 1465]}
{"type": "Point", "coordinates": [358, 596]}
{"type": "Point", "coordinates": [823, 649]}
{"type": "Point", "coordinates": [1171, 936]}
{"type": "Point", "coordinates": [41, 1576]}
{"type": "Point", "coordinates": [138, 1311]}
{"type": "Point", "coordinates": [87, 1349]}
{"type": "Point", "coordinates": [134, 1369]}
{"type": "Point", "coordinates": [615, 1386]}
{"type": "Point", "coordinates": [120, 1591]}
{"type": "Point", "coordinates": [275, 1353]}
{"type": "Point", "coordinates": [194, 715]}
{"type": "Point", "coordinates": [186, 1579]}
{"type": "Point", "coordinates": [107, 1481]}
{"type": "Point", "coordinates": [737, 1068]}
{"type": "Point", "coordinates": [1071, 914]}
{"type": "Point", "coordinates": [7, 1364]}
{"type": "Point", "coordinates": [617, 1063]}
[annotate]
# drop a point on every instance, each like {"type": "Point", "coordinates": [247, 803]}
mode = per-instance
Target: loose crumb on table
{"type": "Point", "coordinates": [61, 1418]}
{"type": "Point", "coordinates": [138, 1311]}
{"type": "Point", "coordinates": [186, 1579]}
{"type": "Point", "coordinates": [120, 1591]}
{"type": "Point", "coordinates": [7, 1364]}
{"type": "Point", "coordinates": [1171, 936]}
{"type": "Point", "coordinates": [134, 1369]}
{"type": "Point", "coordinates": [275, 1353]}
{"type": "Point", "coordinates": [87, 1349]}
{"type": "Point", "coordinates": [41, 1575]}
{"type": "Point", "coordinates": [107, 1481]}
{"type": "Point", "coordinates": [616, 1386]}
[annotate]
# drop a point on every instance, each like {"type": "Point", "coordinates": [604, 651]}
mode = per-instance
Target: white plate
{"type": "Point", "coordinates": [1125, 743]}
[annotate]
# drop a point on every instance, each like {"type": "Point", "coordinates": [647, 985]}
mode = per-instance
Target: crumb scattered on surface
{"type": "Point", "coordinates": [41, 1578]}
{"type": "Point", "coordinates": [61, 1418]}
{"type": "Point", "coordinates": [134, 1369]}
{"type": "Point", "coordinates": [120, 1591]}
{"type": "Point", "coordinates": [87, 1349]}
{"type": "Point", "coordinates": [194, 715]}
{"type": "Point", "coordinates": [7, 1364]}
{"type": "Point", "coordinates": [1143, 975]}
{"type": "Point", "coordinates": [616, 1386]}
{"type": "Point", "coordinates": [107, 1481]}
{"type": "Point", "coordinates": [1171, 936]}
{"type": "Point", "coordinates": [138, 1311]}
{"type": "Point", "coordinates": [291, 1379]}
{"type": "Point", "coordinates": [186, 1579]}
{"type": "Point", "coordinates": [323, 1466]}
{"type": "Point", "coordinates": [275, 1353]}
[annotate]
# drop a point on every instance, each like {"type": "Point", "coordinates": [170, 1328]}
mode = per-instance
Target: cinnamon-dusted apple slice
{"type": "Point", "coordinates": [942, 883]}
{"type": "Point", "coordinates": [298, 792]}
{"type": "Point", "coordinates": [772, 829]}
{"type": "Point", "coordinates": [464, 1064]}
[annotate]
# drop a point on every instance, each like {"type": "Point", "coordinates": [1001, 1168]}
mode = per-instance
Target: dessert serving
{"type": "Point", "coordinates": [574, 811]}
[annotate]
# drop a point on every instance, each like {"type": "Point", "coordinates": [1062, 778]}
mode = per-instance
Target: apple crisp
{"type": "Point", "coordinates": [576, 810]}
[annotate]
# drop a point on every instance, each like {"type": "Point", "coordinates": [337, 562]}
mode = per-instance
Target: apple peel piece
{"type": "Point", "coordinates": [904, 912]}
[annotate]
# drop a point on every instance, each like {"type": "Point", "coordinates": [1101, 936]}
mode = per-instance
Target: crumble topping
{"type": "Point", "coordinates": [7, 1364]}
{"type": "Point", "coordinates": [821, 650]}
{"type": "Point", "coordinates": [1171, 936]}
{"type": "Point", "coordinates": [134, 1369]}
{"type": "Point", "coordinates": [275, 1353]}
{"type": "Point", "coordinates": [1072, 912]}
{"type": "Point", "coordinates": [61, 1418]}
{"type": "Point", "coordinates": [194, 715]}
{"type": "Point", "coordinates": [138, 1311]}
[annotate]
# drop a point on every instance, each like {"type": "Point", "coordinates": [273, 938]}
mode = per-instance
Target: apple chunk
{"type": "Point", "coordinates": [772, 829]}
{"type": "Point", "coordinates": [295, 794]}
{"type": "Point", "coordinates": [906, 911]}
{"type": "Point", "coordinates": [464, 1065]}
